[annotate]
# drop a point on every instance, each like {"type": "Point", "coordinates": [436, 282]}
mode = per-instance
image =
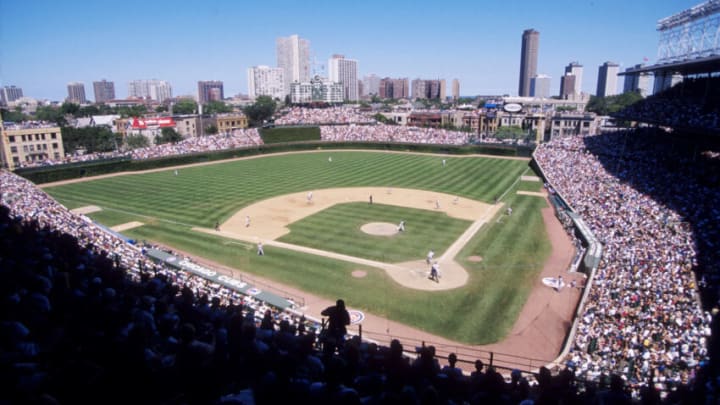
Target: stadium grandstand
{"type": "Point", "coordinates": [88, 317]}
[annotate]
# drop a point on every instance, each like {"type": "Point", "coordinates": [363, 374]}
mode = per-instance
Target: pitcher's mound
{"type": "Point", "coordinates": [379, 228]}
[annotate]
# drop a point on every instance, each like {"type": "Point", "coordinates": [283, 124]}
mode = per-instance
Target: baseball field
{"type": "Point", "coordinates": [312, 211]}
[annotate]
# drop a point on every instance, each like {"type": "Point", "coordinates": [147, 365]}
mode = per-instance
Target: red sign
{"type": "Point", "coordinates": [144, 123]}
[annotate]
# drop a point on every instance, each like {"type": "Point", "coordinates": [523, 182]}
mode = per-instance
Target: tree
{"type": "Point", "coordinates": [261, 110]}
{"type": "Point", "coordinates": [161, 108]}
{"type": "Point", "coordinates": [15, 115]}
{"type": "Point", "coordinates": [185, 106]}
{"type": "Point", "coordinates": [211, 130]}
{"type": "Point", "coordinates": [216, 107]}
{"type": "Point", "coordinates": [133, 111]}
{"type": "Point", "coordinates": [90, 139]}
{"type": "Point", "coordinates": [511, 132]}
{"type": "Point", "coordinates": [136, 141]}
{"type": "Point", "coordinates": [51, 114]}
{"type": "Point", "coordinates": [168, 135]}
{"type": "Point", "coordinates": [383, 119]}
{"type": "Point", "coordinates": [68, 108]}
{"type": "Point", "coordinates": [612, 104]}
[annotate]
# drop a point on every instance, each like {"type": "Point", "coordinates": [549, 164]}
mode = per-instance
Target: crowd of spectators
{"type": "Point", "coordinates": [693, 103]}
{"type": "Point", "coordinates": [239, 138]}
{"type": "Point", "coordinates": [393, 133]}
{"type": "Point", "coordinates": [87, 318]}
{"type": "Point", "coordinates": [651, 207]}
{"type": "Point", "coordinates": [341, 115]}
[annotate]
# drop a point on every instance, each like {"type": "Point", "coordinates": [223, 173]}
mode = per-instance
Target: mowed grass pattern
{"type": "Point", "coordinates": [337, 229]}
{"type": "Point", "coordinates": [483, 311]}
{"type": "Point", "coordinates": [201, 195]}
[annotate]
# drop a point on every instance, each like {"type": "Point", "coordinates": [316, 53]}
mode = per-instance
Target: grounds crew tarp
{"type": "Point", "coordinates": [213, 276]}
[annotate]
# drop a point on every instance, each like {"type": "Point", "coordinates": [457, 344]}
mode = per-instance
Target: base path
{"type": "Point", "coordinates": [269, 220]}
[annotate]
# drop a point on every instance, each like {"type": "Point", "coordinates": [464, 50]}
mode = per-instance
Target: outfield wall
{"type": "Point", "coordinates": [47, 174]}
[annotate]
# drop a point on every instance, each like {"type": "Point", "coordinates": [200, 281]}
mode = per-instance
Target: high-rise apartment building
{"type": "Point", "coordinates": [528, 60]}
{"type": "Point", "coordinates": [344, 71]}
{"type": "Point", "coordinates": [293, 56]}
{"type": "Point", "coordinates": [266, 81]}
{"type": "Point", "coordinates": [157, 90]}
{"type": "Point", "coordinates": [456, 89]}
{"type": "Point", "coordinates": [210, 91]}
{"type": "Point", "coordinates": [9, 94]}
{"type": "Point", "coordinates": [607, 79]}
{"type": "Point", "coordinates": [428, 89]}
{"type": "Point", "coordinates": [540, 86]}
{"type": "Point", "coordinates": [443, 90]}
{"type": "Point", "coordinates": [371, 85]}
{"type": "Point", "coordinates": [104, 91]}
{"type": "Point", "coordinates": [637, 82]}
{"type": "Point", "coordinates": [76, 93]}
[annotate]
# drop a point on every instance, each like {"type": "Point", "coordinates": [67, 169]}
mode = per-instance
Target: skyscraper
{"type": "Point", "coordinates": [158, 90]}
{"type": "Point", "coordinates": [344, 71]}
{"type": "Point", "coordinates": [456, 89]}
{"type": "Point", "coordinates": [266, 81]}
{"type": "Point", "coordinates": [575, 69]}
{"type": "Point", "coordinates": [76, 93]}
{"type": "Point", "coordinates": [607, 79]}
{"type": "Point", "coordinates": [293, 56]}
{"type": "Point", "coordinates": [567, 87]}
{"type": "Point", "coordinates": [528, 60]}
{"type": "Point", "coordinates": [540, 86]}
{"type": "Point", "coordinates": [638, 82]}
{"type": "Point", "coordinates": [443, 90]}
{"type": "Point", "coordinates": [9, 94]}
{"type": "Point", "coordinates": [104, 91]}
{"type": "Point", "coordinates": [210, 91]}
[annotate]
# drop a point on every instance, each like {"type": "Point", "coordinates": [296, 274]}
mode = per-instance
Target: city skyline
{"type": "Point", "coordinates": [479, 45]}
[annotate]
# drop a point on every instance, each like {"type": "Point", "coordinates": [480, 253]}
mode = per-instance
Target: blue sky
{"type": "Point", "coordinates": [48, 43]}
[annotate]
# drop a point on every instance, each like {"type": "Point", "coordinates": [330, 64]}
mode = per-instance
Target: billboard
{"type": "Point", "coordinates": [144, 123]}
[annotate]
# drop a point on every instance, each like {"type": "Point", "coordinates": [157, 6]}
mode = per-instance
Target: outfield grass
{"type": "Point", "coordinates": [534, 186]}
{"type": "Point", "coordinates": [483, 311]}
{"type": "Point", "coordinates": [337, 229]}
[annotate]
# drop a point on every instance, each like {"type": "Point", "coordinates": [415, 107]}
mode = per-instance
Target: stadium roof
{"type": "Point", "coordinates": [709, 64]}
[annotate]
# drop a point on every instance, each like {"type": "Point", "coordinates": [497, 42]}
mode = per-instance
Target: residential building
{"type": "Point", "coordinates": [443, 90]}
{"type": "Point", "coordinates": [316, 91]}
{"type": "Point", "coordinates": [371, 85]}
{"type": "Point", "coordinates": [266, 81]}
{"type": "Point", "coordinates": [528, 60]}
{"type": "Point", "coordinates": [293, 56]}
{"type": "Point", "coordinates": [344, 71]}
{"type": "Point", "coordinates": [9, 94]}
{"type": "Point", "coordinates": [573, 124]}
{"type": "Point", "coordinates": [158, 90]}
{"type": "Point", "coordinates": [637, 82]}
{"type": "Point", "coordinates": [226, 123]}
{"type": "Point", "coordinates": [30, 142]}
{"type": "Point", "coordinates": [427, 89]}
{"type": "Point", "coordinates": [456, 89]}
{"type": "Point", "coordinates": [607, 79]}
{"type": "Point", "coordinates": [540, 86]}
{"type": "Point", "coordinates": [104, 91]}
{"type": "Point", "coordinates": [187, 125]}
{"type": "Point", "coordinates": [76, 93]}
{"type": "Point", "coordinates": [666, 80]}
{"type": "Point", "coordinates": [210, 91]}
{"type": "Point", "coordinates": [394, 88]}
